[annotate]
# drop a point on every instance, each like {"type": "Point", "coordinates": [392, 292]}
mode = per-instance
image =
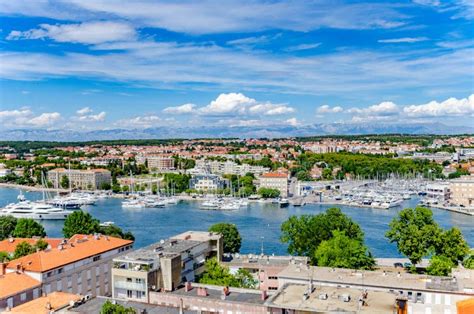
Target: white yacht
{"type": "Point", "coordinates": [34, 210]}
{"type": "Point", "coordinates": [133, 204]}
{"type": "Point", "coordinates": [210, 204]}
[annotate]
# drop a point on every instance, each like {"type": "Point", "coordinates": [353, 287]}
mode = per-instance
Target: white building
{"type": "Point", "coordinates": [275, 180]}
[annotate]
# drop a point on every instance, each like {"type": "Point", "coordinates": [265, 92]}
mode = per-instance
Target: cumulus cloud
{"type": "Point", "coordinates": [24, 117]}
{"type": "Point", "coordinates": [403, 40]}
{"type": "Point", "coordinates": [384, 111]}
{"type": "Point", "coordinates": [84, 33]}
{"type": "Point", "coordinates": [293, 122]}
{"type": "Point", "coordinates": [329, 109]}
{"type": "Point", "coordinates": [183, 109]}
{"type": "Point", "coordinates": [449, 107]}
{"type": "Point", "coordinates": [85, 115]}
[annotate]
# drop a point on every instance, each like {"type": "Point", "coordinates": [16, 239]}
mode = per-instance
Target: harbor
{"type": "Point", "coordinates": [259, 222]}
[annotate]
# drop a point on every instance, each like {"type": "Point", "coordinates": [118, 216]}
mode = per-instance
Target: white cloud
{"type": "Point", "coordinates": [381, 112]}
{"type": "Point", "coordinates": [329, 109]}
{"type": "Point", "coordinates": [449, 107]}
{"type": "Point", "coordinates": [85, 33]}
{"type": "Point", "coordinates": [24, 117]}
{"type": "Point", "coordinates": [45, 119]}
{"type": "Point", "coordinates": [303, 47]}
{"type": "Point", "coordinates": [403, 40]}
{"type": "Point", "coordinates": [183, 109]}
{"type": "Point", "coordinates": [84, 111]}
{"type": "Point", "coordinates": [270, 109]}
{"type": "Point", "coordinates": [85, 115]}
{"type": "Point", "coordinates": [293, 122]}
{"type": "Point", "coordinates": [140, 122]}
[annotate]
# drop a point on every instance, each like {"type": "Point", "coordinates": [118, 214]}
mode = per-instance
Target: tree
{"type": "Point", "coordinates": [451, 244]}
{"type": "Point", "coordinates": [41, 244]}
{"type": "Point", "coordinates": [440, 266]}
{"type": "Point", "coordinates": [23, 249]}
{"type": "Point", "coordinates": [4, 257]}
{"type": "Point", "coordinates": [64, 182]}
{"type": "Point", "coordinates": [105, 186]}
{"type": "Point", "coordinates": [268, 193]}
{"type": "Point", "coordinates": [28, 228]}
{"type": "Point", "coordinates": [344, 252]}
{"type": "Point", "coordinates": [80, 222]}
{"type": "Point", "coordinates": [7, 225]}
{"type": "Point", "coordinates": [469, 261]}
{"type": "Point", "coordinates": [110, 308]}
{"type": "Point", "coordinates": [219, 275]}
{"type": "Point", "coordinates": [245, 279]}
{"type": "Point", "coordinates": [414, 231]}
{"type": "Point", "coordinates": [305, 233]}
{"type": "Point", "coordinates": [115, 231]}
{"type": "Point", "coordinates": [230, 235]}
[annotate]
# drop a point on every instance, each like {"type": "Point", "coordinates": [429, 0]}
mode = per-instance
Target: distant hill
{"type": "Point", "coordinates": [226, 132]}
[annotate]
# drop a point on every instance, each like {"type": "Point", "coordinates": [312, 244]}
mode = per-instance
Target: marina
{"type": "Point", "coordinates": [259, 222]}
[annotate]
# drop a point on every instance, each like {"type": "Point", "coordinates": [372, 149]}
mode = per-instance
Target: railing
{"type": "Point", "coordinates": [130, 285]}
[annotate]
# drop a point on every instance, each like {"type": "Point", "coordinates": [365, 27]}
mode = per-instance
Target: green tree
{"type": "Point", "coordinates": [268, 193]}
{"type": "Point", "coordinates": [245, 279]}
{"type": "Point", "coordinates": [80, 222]}
{"type": "Point", "coordinates": [64, 182]}
{"type": "Point", "coordinates": [344, 252]}
{"type": "Point", "coordinates": [469, 261]}
{"type": "Point", "coordinates": [440, 266]}
{"type": "Point", "coordinates": [216, 274]}
{"type": "Point", "coordinates": [28, 228]}
{"type": "Point", "coordinates": [7, 225]}
{"type": "Point", "coordinates": [23, 249]}
{"type": "Point", "coordinates": [415, 232]}
{"type": "Point", "coordinates": [115, 231]}
{"type": "Point", "coordinates": [305, 233]}
{"type": "Point", "coordinates": [105, 186]}
{"type": "Point", "coordinates": [4, 256]}
{"type": "Point", "coordinates": [110, 308]}
{"type": "Point", "coordinates": [41, 244]}
{"type": "Point", "coordinates": [230, 235]}
{"type": "Point", "coordinates": [451, 244]}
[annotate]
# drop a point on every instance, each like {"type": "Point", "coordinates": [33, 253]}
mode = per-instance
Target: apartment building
{"type": "Point", "coordinates": [163, 266]}
{"type": "Point", "coordinates": [438, 191]}
{"type": "Point", "coordinates": [227, 167]}
{"type": "Point", "coordinates": [81, 179]}
{"type": "Point", "coordinates": [203, 182]}
{"type": "Point", "coordinates": [4, 171]}
{"type": "Point", "coordinates": [80, 265]}
{"type": "Point", "coordinates": [462, 191]}
{"type": "Point", "coordinates": [9, 245]}
{"type": "Point", "coordinates": [16, 288]}
{"type": "Point", "coordinates": [275, 180]}
{"type": "Point", "coordinates": [157, 163]}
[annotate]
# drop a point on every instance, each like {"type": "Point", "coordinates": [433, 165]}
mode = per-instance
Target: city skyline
{"type": "Point", "coordinates": [69, 65]}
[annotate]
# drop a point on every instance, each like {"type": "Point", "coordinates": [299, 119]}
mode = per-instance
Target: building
{"type": "Point", "coordinates": [438, 192]}
{"type": "Point", "coordinates": [462, 191]}
{"type": "Point", "coordinates": [4, 171]}
{"type": "Point", "coordinates": [80, 265]}
{"type": "Point", "coordinates": [227, 167]}
{"type": "Point", "coordinates": [47, 304]}
{"type": "Point", "coordinates": [204, 182]}
{"type": "Point", "coordinates": [163, 266]}
{"type": "Point", "coordinates": [275, 180]}
{"type": "Point", "coordinates": [81, 179]}
{"type": "Point", "coordinates": [9, 245]}
{"type": "Point", "coordinates": [423, 294]}
{"type": "Point", "coordinates": [17, 288]}
{"type": "Point", "coordinates": [160, 163]}
{"type": "Point", "coordinates": [265, 268]}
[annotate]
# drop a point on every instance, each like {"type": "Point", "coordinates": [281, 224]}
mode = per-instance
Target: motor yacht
{"type": "Point", "coordinates": [35, 210]}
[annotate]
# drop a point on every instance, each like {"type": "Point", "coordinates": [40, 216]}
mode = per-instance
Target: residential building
{"type": "Point", "coordinates": [9, 245]}
{"type": "Point", "coordinates": [80, 265]}
{"type": "Point", "coordinates": [227, 167]}
{"type": "Point", "coordinates": [422, 293]}
{"type": "Point", "coordinates": [462, 191]}
{"type": "Point", "coordinates": [164, 265]}
{"type": "Point", "coordinates": [265, 268]}
{"type": "Point", "coordinates": [275, 180]}
{"type": "Point", "coordinates": [82, 179]}
{"type": "Point", "coordinates": [51, 303]}
{"type": "Point", "coordinates": [4, 171]}
{"type": "Point", "coordinates": [438, 191]}
{"type": "Point", "coordinates": [203, 182]}
{"type": "Point", "coordinates": [17, 288]}
{"type": "Point", "coordinates": [157, 163]}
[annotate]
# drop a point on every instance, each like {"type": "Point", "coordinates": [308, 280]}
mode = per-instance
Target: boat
{"type": "Point", "coordinates": [35, 210]}
{"type": "Point", "coordinates": [133, 204]}
{"type": "Point", "coordinates": [229, 206]}
{"type": "Point", "coordinates": [210, 204]}
{"type": "Point", "coordinates": [283, 202]}
{"type": "Point", "coordinates": [106, 224]}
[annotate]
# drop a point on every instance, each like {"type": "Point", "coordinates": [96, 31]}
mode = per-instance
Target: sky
{"type": "Point", "coordinates": [103, 64]}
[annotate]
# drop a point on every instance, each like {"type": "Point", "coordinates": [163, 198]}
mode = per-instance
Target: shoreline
{"type": "Point", "coordinates": [30, 188]}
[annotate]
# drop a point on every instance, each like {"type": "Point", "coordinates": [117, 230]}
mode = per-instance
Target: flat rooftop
{"type": "Point", "coordinates": [94, 306]}
{"type": "Point", "coordinates": [291, 297]}
{"type": "Point", "coordinates": [387, 279]}
{"type": "Point", "coordinates": [201, 236]}
{"type": "Point", "coordinates": [216, 292]}
{"type": "Point", "coordinates": [254, 260]}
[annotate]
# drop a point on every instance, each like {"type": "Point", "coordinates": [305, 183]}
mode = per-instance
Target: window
{"type": "Point", "coordinates": [23, 296]}
{"type": "Point", "coordinates": [272, 288]}
{"type": "Point", "coordinates": [49, 274]}
{"type": "Point", "coordinates": [129, 293]}
{"type": "Point", "coordinates": [139, 294]}
{"type": "Point", "coordinates": [47, 288]}
{"type": "Point", "coordinates": [129, 279]}
{"type": "Point", "coordinates": [59, 286]}
{"type": "Point", "coordinates": [60, 270]}
{"type": "Point", "coordinates": [273, 277]}
{"type": "Point", "coordinates": [138, 280]}
{"type": "Point", "coordinates": [96, 258]}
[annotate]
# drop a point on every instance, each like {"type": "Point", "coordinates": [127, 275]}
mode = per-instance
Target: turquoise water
{"type": "Point", "coordinates": [152, 224]}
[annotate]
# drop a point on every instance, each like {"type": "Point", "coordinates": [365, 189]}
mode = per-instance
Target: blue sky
{"type": "Point", "coordinates": [104, 64]}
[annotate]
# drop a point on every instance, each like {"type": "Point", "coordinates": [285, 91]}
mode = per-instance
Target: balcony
{"type": "Point", "coordinates": [130, 285]}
